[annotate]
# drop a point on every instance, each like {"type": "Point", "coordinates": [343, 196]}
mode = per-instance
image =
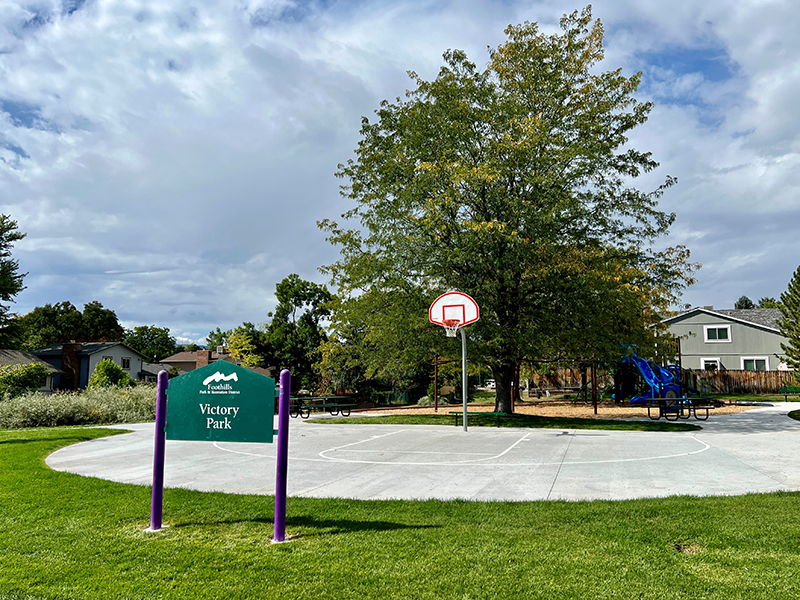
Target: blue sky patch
{"type": "Point", "coordinates": [712, 63]}
{"type": "Point", "coordinates": [26, 115]}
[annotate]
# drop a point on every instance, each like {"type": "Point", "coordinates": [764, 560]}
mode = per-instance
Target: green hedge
{"type": "Point", "coordinates": [92, 407]}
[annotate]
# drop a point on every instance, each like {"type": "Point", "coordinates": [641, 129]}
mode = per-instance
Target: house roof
{"type": "Point", "coordinates": [20, 357]}
{"type": "Point", "coordinates": [153, 369]}
{"type": "Point", "coordinates": [765, 318]}
{"type": "Point", "coordinates": [87, 349]}
{"type": "Point", "coordinates": [192, 357]}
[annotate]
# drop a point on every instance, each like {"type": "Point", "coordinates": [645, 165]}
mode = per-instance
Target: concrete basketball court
{"type": "Point", "coordinates": [753, 451]}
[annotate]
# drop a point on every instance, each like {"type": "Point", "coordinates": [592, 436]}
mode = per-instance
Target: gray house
{"type": "Point", "coordinates": [77, 361]}
{"type": "Point", "coordinates": [729, 339]}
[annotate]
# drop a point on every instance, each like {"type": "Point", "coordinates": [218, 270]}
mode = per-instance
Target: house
{"type": "Point", "coordinates": [729, 339]}
{"type": "Point", "coordinates": [19, 357]}
{"type": "Point", "coordinates": [189, 361]}
{"type": "Point", "coordinates": [78, 360]}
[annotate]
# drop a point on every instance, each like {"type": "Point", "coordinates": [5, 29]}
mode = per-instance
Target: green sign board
{"type": "Point", "coordinates": [221, 402]}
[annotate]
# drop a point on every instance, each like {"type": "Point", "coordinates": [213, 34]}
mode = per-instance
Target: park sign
{"type": "Point", "coordinates": [221, 402]}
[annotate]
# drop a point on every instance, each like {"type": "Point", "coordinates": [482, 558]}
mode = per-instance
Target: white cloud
{"type": "Point", "coordinates": [171, 159]}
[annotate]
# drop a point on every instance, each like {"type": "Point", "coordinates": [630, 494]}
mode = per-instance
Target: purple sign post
{"type": "Point", "coordinates": [156, 508]}
{"type": "Point", "coordinates": [283, 456]}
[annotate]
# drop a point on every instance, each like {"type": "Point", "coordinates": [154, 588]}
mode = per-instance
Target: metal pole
{"type": "Point", "coordinates": [464, 373]}
{"type": "Point", "coordinates": [594, 385]}
{"type": "Point", "coordinates": [436, 383]}
{"type": "Point", "coordinates": [157, 503]}
{"type": "Point", "coordinates": [283, 456]}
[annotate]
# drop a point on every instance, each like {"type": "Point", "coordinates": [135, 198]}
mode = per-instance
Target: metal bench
{"type": "Point", "coordinates": [789, 391]}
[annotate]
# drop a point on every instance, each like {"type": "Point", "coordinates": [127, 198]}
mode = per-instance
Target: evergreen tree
{"type": "Point", "coordinates": [10, 280]}
{"type": "Point", "coordinates": [744, 303]}
{"type": "Point", "coordinates": [790, 323]}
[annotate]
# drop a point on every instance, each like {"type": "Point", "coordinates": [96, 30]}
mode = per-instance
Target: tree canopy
{"type": "Point", "coordinates": [513, 184]}
{"type": "Point", "coordinates": [61, 322]}
{"type": "Point", "coordinates": [155, 343]}
{"type": "Point", "coordinates": [744, 303]}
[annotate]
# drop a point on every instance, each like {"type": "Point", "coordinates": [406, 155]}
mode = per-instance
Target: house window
{"type": "Point", "coordinates": [718, 333]}
{"type": "Point", "coordinates": [111, 358]}
{"type": "Point", "coordinates": [710, 364]}
{"type": "Point", "coordinates": [126, 363]}
{"type": "Point", "coordinates": [755, 363]}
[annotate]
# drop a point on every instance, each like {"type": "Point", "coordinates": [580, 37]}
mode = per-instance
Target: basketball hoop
{"type": "Point", "coordinates": [451, 326]}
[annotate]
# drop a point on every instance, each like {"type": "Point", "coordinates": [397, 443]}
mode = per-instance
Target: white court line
{"type": "Point", "coordinates": [372, 462]}
{"type": "Point", "coordinates": [478, 463]}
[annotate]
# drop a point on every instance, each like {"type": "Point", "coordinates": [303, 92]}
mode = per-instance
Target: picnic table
{"type": "Point", "coordinates": [673, 409]}
{"type": "Point", "coordinates": [335, 405]}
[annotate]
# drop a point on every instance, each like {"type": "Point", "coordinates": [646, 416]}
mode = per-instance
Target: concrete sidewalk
{"type": "Point", "coordinates": [754, 451]}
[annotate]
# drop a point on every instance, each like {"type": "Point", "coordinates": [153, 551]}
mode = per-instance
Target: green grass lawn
{"type": "Point", "coordinates": [516, 420]}
{"type": "Point", "coordinates": [72, 537]}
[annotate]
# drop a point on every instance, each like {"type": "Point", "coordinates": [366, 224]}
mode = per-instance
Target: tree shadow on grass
{"type": "Point", "coordinates": [317, 526]}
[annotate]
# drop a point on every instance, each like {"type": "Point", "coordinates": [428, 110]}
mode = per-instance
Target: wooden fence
{"type": "Point", "coordinates": [706, 382]}
{"type": "Point", "coordinates": [740, 382]}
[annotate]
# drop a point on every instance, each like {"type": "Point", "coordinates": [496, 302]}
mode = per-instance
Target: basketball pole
{"type": "Point", "coordinates": [464, 373]}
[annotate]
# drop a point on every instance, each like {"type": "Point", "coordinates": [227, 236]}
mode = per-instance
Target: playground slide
{"type": "Point", "coordinates": [662, 382]}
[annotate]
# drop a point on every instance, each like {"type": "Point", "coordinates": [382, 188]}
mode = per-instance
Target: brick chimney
{"type": "Point", "coordinates": [71, 365]}
{"type": "Point", "coordinates": [203, 358]}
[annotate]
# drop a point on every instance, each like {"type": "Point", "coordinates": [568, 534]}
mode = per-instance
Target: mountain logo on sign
{"type": "Point", "coordinates": [217, 377]}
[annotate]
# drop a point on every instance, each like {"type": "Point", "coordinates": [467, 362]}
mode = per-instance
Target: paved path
{"type": "Point", "coordinates": [754, 451]}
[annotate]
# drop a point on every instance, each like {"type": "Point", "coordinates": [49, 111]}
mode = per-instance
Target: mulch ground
{"type": "Point", "coordinates": [557, 408]}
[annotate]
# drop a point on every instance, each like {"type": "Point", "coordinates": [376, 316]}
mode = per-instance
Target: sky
{"type": "Point", "coordinates": [171, 159]}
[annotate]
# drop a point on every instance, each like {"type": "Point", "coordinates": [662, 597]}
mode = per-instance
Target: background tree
{"type": "Point", "coordinates": [50, 324]}
{"type": "Point", "coordinates": [790, 323]}
{"type": "Point", "coordinates": [154, 342]}
{"type": "Point", "coordinates": [217, 338]}
{"type": "Point", "coordinates": [10, 280]}
{"type": "Point", "coordinates": [744, 303]}
{"type": "Point", "coordinates": [61, 322]}
{"type": "Point", "coordinates": [512, 184]}
{"type": "Point", "coordinates": [99, 324]}
{"type": "Point", "coordinates": [295, 334]}
{"type": "Point", "coordinates": [769, 302]}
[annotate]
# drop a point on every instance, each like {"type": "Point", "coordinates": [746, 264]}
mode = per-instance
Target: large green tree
{"type": "Point", "coordinates": [154, 342]}
{"type": "Point", "coordinates": [513, 184]}
{"type": "Point", "coordinates": [10, 279]}
{"type": "Point", "coordinates": [61, 322]}
{"type": "Point", "coordinates": [790, 322]}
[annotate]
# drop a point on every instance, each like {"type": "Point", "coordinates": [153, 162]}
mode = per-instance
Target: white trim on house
{"type": "Point", "coordinates": [717, 327]}
{"type": "Point", "coordinates": [755, 358]}
{"type": "Point", "coordinates": [704, 360]}
{"type": "Point", "coordinates": [721, 315]}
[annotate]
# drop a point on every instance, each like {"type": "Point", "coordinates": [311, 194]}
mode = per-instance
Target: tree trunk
{"type": "Point", "coordinates": [503, 377]}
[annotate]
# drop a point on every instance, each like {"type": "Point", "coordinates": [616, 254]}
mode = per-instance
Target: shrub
{"type": "Point", "coordinates": [16, 380]}
{"type": "Point", "coordinates": [98, 406]}
{"type": "Point", "coordinates": [107, 373]}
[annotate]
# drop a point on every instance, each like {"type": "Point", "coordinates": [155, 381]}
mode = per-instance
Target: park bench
{"type": "Point", "coordinates": [789, 391]}
{"type": "Point", "coordinates": [333, 404]}
{"type": "Point", "coordinates": [673, 409]}
{"type": "Point", "coordinates": [458, 414]}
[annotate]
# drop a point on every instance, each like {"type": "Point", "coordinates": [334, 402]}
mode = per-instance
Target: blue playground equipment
{"type": "Point", "coordinates": [660, 382]}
